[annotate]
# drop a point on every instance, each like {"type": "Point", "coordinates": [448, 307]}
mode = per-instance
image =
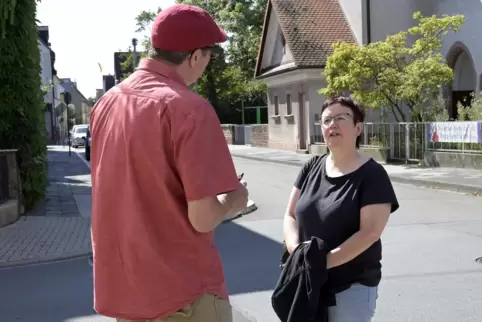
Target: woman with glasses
{"type": "Point", "coordinates": [345, 199]}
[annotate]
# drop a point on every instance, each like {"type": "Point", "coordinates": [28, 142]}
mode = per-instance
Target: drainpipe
{"type": "Point", "coordinates": [52, 111]}
{"type": "Point", "coordinates": [368, 22]}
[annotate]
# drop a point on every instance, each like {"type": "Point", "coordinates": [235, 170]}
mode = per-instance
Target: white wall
{"type": "Point", "coordinates": [354, 16]}
{"type": "Point", "coordinates": [274, 53]}
{"type": "Point", "coordinates": [46, 72]}
{"type": "Point", "coordinates": [470, 33]}
{"type": "Point", "coordinates": [388, 17]}
{"type": "Point", "coordinates": [46, 77]}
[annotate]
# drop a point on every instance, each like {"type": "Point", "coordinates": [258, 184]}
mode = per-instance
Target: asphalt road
{"type": "Point", "coordinates": [430, 273]}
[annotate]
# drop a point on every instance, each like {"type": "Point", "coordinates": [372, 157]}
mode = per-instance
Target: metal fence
{"type": "Point", "coordinates": [405, 141]}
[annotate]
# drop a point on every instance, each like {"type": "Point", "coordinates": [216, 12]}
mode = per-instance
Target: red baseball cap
{"type": "Point", "coordinates": [184, 27]}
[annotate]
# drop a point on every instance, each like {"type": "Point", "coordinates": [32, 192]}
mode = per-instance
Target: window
{"type": "Point", "coordinates": [283, 42]}
{"type": "Point", "coordinates": [81, 130]}
{"type": "Point", "coordinates": [289, 110]}
{"type": "Point", "coordinates": [276, 105]}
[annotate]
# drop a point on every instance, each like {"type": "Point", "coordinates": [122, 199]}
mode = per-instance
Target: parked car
{"type": "Point", "coordinates": [87, 145]}
{"type": "Point", "coordinates": [78, 135]}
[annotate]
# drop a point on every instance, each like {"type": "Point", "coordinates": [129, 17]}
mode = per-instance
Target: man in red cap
{"type": "Point", "coordinates": [162, 180]}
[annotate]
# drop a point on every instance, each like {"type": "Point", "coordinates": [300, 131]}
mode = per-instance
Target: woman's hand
{"type": "Point", "coordinates": [294, 245]}
{"type": "Point", "coordinates": [291, 247]}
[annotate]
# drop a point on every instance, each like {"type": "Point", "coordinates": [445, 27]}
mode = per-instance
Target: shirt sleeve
{"type": "Point", "coordinates": [305, 170]}
{"type": "Point", "coordinates": [203, 159]}
{"type": "Point", "coordinates": [377, 188]}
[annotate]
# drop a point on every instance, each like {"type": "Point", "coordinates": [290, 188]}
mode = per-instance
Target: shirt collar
{"type": "Point", "coordinates": [159, 67]}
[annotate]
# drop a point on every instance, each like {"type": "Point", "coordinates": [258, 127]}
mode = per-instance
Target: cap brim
{"type": "Point", "coordinates": [222, 37]}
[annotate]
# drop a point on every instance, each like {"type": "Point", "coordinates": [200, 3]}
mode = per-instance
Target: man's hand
{"type": "Point", "coordinates": [236, 200]}
{"type": "Point", "coordinates": [207, 213]}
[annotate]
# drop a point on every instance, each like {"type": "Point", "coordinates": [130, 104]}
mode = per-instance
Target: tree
{"type": "Point", "coordinates": [22, 124]}
{"type": "Point", "coordinates": [243, 21]}
{"type": "Point", "coordinates": [391, 73]}
{"type": "Point", "coordinates": [144, 22]}
{"type": "Point", "coordinates": [228, 80]}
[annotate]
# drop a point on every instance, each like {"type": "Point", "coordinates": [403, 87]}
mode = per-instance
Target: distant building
{"type": "Point", "coordinates": [47, 61]}
{"type": "Point", "coordinates": [98, 93]}
{"type": "Point", "coordinates": [82, 104]}
{"type": "Point", "coordinates": [296, 43]}
{"type": "Point", "coordinates": [108, 82]}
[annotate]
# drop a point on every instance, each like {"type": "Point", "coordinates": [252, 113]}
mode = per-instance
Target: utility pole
{"type": "Point", "coordinates": [134, 56]}
{"type": "Point", "coordinates": [67, 101]}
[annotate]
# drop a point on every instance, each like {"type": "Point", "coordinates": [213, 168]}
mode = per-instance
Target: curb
{"type": "Point", "coordinates": [438, 185]}
{"type": "Point", "coordinates": [448, 186]}
{"type": "Point", "coordinates": [295, 163]}
{"type": "Point", "coordinates": [87, 163]}
{"type": "Point", "coordinates": [251, 208]}
{"type": "Point", "coordinates": [45, 260]}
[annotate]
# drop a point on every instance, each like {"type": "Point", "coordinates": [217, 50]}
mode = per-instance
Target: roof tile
{"type": "Point", "coordinates": [311, 27]}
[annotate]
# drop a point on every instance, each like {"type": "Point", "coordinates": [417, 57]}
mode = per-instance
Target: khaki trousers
{"type": "Point", "coordinates": [208, 308]}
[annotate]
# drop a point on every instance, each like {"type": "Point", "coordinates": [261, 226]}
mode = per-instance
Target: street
{"type": "Point", "coordinates": [429, 267]}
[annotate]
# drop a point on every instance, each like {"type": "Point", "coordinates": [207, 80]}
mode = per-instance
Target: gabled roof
{"type": "Point", "coordinates": [69, 86]}
{"type": "Point", "coordinates": [310, 27]}
{"type": "Point", "coordinates": [43, 43]}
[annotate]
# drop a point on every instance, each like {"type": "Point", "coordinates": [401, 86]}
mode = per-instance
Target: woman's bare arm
{"type": "Point", "coordinates": [290, 229]}
{"type": "Point", "coordinates": [373, 219]}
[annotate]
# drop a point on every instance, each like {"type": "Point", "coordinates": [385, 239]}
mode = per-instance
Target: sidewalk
{"type": "Point", "coordinates": [460, 180]}
{"type": "Point", "coordinates": [60, 226]}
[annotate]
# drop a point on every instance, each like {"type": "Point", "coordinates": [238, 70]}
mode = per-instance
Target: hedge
{"type": "Point", "coordinates": [22, 124]}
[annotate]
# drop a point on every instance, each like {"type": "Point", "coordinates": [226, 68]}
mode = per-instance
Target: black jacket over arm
{"type": "Point", "coordinates": [301, 294]}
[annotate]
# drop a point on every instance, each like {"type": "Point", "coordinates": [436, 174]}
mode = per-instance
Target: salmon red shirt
{"type": "Point", "coordinates": [155, 146]}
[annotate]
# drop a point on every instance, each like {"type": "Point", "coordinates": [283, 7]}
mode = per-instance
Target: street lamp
{"type": "Point", "coordinates": [134, 56]}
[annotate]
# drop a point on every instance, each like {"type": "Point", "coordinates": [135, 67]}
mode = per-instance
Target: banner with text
{"type": "Point", "coordinates": [455, 132]}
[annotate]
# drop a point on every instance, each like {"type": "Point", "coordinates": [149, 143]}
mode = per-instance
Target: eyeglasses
{"type": "Point", "coordinates": [337, 119]}
{"type": "Point", "coordinates": [213, 49]}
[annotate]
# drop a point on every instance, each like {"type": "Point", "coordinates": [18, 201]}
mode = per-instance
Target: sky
{"type": "Point", "coordinates": [84, 33]}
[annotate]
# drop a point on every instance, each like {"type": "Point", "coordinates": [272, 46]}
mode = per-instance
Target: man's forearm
{"type": "Point", "coordinates": [226, 206]}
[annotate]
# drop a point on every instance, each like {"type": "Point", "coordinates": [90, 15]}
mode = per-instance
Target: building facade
{"type": "Point", "coordinates": [297, 38]}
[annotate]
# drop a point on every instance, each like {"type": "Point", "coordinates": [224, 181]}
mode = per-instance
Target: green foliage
{"type": "Point", "coordinates": [473, 112]}
{"type": "Point", "coordinates": [22, 124]}
{"type": "Point", "coordinates": [228, 80]}
{"type": "Point", "coordinates": [243, 22]}
{"type": "Point", "coordinates": [391, 73]}
{"type": "Point", "coordinates": [436, 110]}
{"type": "Point", "coordinates": [144, 22]}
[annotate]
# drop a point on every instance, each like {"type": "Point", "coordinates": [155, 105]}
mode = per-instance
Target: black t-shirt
{"type": "Point", "coordinates": [329, 208]}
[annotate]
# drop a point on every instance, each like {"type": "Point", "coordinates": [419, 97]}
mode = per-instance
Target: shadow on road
{"type": "Point", "coordinates": [54, 292]}
{"type": "Point", "coordinates": [61, 291]}
{"type": "Point", "coordinates": [251, 261]}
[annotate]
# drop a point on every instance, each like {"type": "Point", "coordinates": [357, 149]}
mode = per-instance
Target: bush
{"type": "Point", "coordinates": [472, 112]}
{"type": "Point", "coordinates": [22, 124]}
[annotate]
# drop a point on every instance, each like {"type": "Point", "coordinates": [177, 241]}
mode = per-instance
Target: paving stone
{"type": "Point", "coordinates": [55, 229]}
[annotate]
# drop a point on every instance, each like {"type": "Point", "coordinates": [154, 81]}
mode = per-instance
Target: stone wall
{"type": "Point", "coordinates": [10, 207]}
{"type": "Point", "coordinates": [228, 130]}
{"type": "Point", "coordinates": [260, 135]}
{"type": "Point", "coordinates": [453, 159]}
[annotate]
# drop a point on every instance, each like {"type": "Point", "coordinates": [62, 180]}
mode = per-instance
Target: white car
{"type": "Point", "coordinates": [78, 135]}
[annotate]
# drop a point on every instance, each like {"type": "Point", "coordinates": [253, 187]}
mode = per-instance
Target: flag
{"type": "Point", "coordinates": [100, 67]}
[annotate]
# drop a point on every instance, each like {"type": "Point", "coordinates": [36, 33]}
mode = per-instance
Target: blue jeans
{"type": "Point", "coordinates": [356, 304]}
